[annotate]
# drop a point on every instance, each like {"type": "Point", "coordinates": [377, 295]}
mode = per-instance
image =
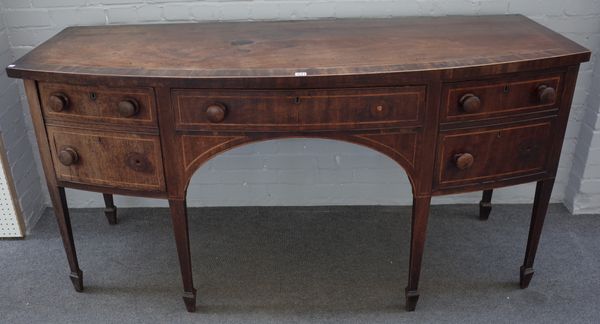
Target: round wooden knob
{"type": "Point", "coordinates": [128, 107]}
{"type": "Point", "coordinates": [546, 94]}
{"type": "Point", "coordinates": [58, 101]}
{"type": "Point", "coordinates": [215, 113]}
{"type": "Point", "coordinates": [463, 161]}
{"type": "Point", "coordinates": [68, 156]}
{"type": "Point", "coordinates": [470, 103]}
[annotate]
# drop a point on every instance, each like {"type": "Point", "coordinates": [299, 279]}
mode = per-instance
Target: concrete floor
{"type": "Point", "coordinates": [305, 265]}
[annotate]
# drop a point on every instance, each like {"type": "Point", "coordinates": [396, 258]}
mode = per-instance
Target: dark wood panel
{"type": "Point", "coordinates": [300, 109]}
{"type": "Point", "coordinates": [119, 160]}
{"type": "Point", "coordinates": [298, 48]}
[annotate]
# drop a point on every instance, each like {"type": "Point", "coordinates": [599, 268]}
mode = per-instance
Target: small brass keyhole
{"type": "Point", "coordinates": [379, 108]}
{"type": "Point", "coordinates": [297, 100]}
{"type": "Point", "coordinates": [93, 96]}
{"type": "Point", "coordinates": [506, 88]}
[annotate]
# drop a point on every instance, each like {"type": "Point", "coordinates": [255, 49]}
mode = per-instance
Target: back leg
{"type": "Point", "coordinates": [111, 210]}
{"type": "Point", "coordinates": [485, 205]}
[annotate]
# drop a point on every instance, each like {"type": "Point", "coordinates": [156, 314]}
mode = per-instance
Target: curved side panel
{"type": "Point", "coordinates": [400, 146]}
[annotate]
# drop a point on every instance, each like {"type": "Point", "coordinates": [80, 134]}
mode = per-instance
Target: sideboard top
{"type": "Point", "coordinates": [297, 48]}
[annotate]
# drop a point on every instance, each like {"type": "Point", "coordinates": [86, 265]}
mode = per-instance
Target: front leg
{"type": "Point", "coordinates": [61, 211]}
{"type": "Point", "coordinates": [543, 191]}
{"type": "Point", "coordinates": [110, 210]}
{"type": "Point", "coordinates": [180, 227]}
{"type": "Point", "coordinates": [420, 214]}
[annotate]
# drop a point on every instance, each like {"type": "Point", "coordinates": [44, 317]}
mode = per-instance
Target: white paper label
{"type": "Point", "coordinates": [300, 74]}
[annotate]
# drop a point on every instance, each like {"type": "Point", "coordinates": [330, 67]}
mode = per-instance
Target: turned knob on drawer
{"type": "Point", "coordinates": [128, 107]}
{"type": "Point", "coordinates": [58, 101]}
{"type": "Point", "coordinates": [470, 103]}
{"type": "Point", "coordinates": [68, 156]}
{"type": "Point", "coordinates": [216, 112]}
{"type": "Point", "coordinates": [463, 161]}
{"type": "Point", "coordinates": [546, 94]}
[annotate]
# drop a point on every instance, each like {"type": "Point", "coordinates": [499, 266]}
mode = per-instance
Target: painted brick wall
{"type": "Point", "coordinates": [314, 172]}
{"type": "Point", "coordinates": [17, 138]}
{"type": "Point", "coordinates": [583, 190]}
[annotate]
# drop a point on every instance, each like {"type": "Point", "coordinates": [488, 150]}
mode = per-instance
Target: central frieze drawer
{"type": "Point", "coordinates": [299, 109]}
{"type": "Point", "coordinates": [120, 160]}
{"type": "Point", "coordinates": [482, 155]}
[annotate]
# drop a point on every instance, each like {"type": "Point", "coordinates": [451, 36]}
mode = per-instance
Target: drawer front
{"type": "Point", "coordinates": [299, 109]}
{"type": "Point", "coordinates": [483, 155]}
{"type": "Point", "coordinates": [107, 159]}
{"type": "Point", "coordinates": [127, 106]}
{"type": "Point", "coordinates": [497, 98]}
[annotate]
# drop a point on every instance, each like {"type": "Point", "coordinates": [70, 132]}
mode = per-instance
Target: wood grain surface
{"type": "Point", "coordinates": [292, 48]}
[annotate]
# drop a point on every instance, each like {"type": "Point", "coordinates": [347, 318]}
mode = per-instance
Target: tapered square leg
{"type": "Point", "coordinates": [61, 211]}
{"type": "Point", "coordinates": [412, 297]}
{"type": "Point", "coordinates": [543, 191]}
{"type": "Point", "coordinates": [180, 227]}
{"type": "Point", "coordinates": [525, 275]}
{"type": "Point", "coordinates": [110, 210]}
{"type": "Point", "coordinates": [189, 299]}
{"type": "Point", "coordinates": [485, 205]}
{"type": "Point", "coordinates": [77, 280]}
{"type": "Point", "coordinates": [420, 215]}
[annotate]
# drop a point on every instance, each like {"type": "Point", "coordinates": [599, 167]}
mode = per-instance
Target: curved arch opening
{"type": "Point", "coordinates": [299, 171]}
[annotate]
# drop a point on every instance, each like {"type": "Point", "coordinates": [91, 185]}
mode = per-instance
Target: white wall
{"type": "Point", "coordinates": [17, 136]}
{"type": "Point", "coordinates": [316, 172]}
{"type": "Point", "coordinates": [583, 190]}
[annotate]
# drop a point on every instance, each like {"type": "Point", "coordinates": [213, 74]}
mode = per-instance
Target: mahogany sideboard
{"type": "Point", "coordinates": [460, 103]}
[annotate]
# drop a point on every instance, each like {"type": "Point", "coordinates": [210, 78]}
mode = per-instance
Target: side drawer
{"type": "Point", "coordinates": [475, 100]}
{"type": "Point", "coordinates": [299, 109]}
{"type": "Point", "coordinates": [483, 155]}
{"type": "Point", "coordinates": [125, 106]}
{"type": "Point", "coordinates": [108, 159]}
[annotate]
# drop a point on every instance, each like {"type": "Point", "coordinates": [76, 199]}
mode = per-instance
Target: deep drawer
{"type": "Point", "coordinates": [117, 160]}
{"type": "Point", "coordinates": [125, 106]}
{"type": "Point", "coordinates": [482, 155]}
{"type": "Point", "coordinates": [299, 109]}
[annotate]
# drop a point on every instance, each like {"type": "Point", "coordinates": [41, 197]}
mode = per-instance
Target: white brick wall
{"type": "Point", "coordinates": [314, 172]}
{"type": "Point", "coordinates": [583, 190]}
{"type": "Point", "coordinates": [14, 129]}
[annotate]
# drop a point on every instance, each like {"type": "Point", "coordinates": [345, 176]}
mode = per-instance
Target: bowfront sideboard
{"type": "Point", "coordinates": [460, 103]}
